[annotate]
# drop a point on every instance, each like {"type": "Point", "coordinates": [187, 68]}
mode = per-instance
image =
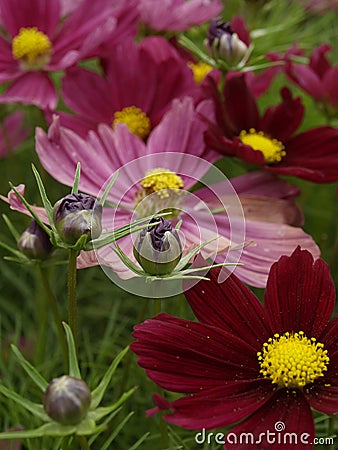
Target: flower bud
{"type": "Point", "coordinates": [34, 242]}
{"type": "Point", "coordinates": [66, 400]}
{"type": "Point", "coordinates": [158, 248]}
{"type": "Point", "coordinates": [223, 43]}
{"type": "Point", "coordinates": [76, 215]}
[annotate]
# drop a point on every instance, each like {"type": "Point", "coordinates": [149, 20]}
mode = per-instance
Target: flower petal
{"type": "Point", "coordinates": [184, 356]}
{"type": "Point", "coordinates": [324, 399]}
{"type": "Point", "coordinates": [300, 294]}
{"type": "Point", "coordinates": [285, 421]}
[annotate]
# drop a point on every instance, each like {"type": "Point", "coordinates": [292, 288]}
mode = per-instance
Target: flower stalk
{"type": "Point", "coordinates": [72, 306]}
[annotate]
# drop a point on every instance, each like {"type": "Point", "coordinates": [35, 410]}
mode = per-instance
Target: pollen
{"type": "Point", "coordinates": [293, 360]}
{"type": "Point", "coordinates": [136, 120]}
{"type": "Point", "coordinates": [32, 47]}
{"type": "Point", "coordinates": [161, 181]}
{"type": "Point", "coordinates": [200, 70]}
{"type": "Point", "coordinates": [272, 149]}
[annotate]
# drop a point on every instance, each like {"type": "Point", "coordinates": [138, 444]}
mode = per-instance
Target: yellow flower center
{"type": "Point", "coordinates": [272, 149]}
{"type": "Point", "coordinates": [161, 181]}
{"type": "Point", "coordinates": [167, 187]}
{"type": "Point", "coordinates": [135, 119]}
{"type": "Point", "coordinates": [32, 47]}
{"type": "Point", "coordinates": [293, 360]}
{"type": "Point", "coordinates": [200, 70]}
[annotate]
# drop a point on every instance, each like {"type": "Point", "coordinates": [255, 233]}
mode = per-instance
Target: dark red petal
{"type": "Point", "coordinates": [271, 425]}
{"type": "Point", "coordinates": [318, 60]}
{"type": "Point", "coordinates": [282, 120]}
{"type": "Point", "coordinates": [331, 86]}
{"type": "Point", "coordinates": [230, 306]}
{"type": "Point", "coordinates": [220, 406]}
{"type": "Point", "coordinates": [240, 103]}
{"type": "Point", "coordinates": [306, 79]}
{"type": "Point", "coordinates": [311, 155]}
{"type": "Point", "coordinates": [185, 356]}
{"type": "Point", "coordinates": [324, 399]}
{"type": "Point", "coordinates": [330, 335]}
{"type": "Point", "coordinates": [239, 27]}
{"type": "Point", "coordinates": [300, 294]}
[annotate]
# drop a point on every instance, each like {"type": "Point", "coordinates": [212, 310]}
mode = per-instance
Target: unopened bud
{"type": "Point", "coordinates": [34, 242]}
{"type": "Point", "coordinates": [67, 400]}
{"type": "Point", "coordinates": [76, 215]}
{"type": "Point", "coordinates": [223, 43]}
{"type": "Point", "coordinates": [158, 248]}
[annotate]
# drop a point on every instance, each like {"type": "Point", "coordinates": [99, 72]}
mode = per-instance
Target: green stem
{"type": "Point", "coordinates": [331, 432]}
{"type": "Point", "coordinates": [56, 316]}
{"type": "Point", "coordinates": [41, 317]}
{"type": "Point", "coordinates": [83, 442]}
{"type": "Point", "coordinates": [72, 308]}
{"type": "Point", "coordinates": [163, 424]}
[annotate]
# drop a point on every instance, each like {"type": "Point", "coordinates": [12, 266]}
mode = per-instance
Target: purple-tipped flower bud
{"type": "Point", "coordinates": [34, 242]}
{"type": "Point", "coordinates": [67, 400]}
{"type": "Point", "coordinates": [76, 215]}
{"type": "Point", "coordinates": [223, 43]}
{"type": "Point", "coordinates": [158, 248]}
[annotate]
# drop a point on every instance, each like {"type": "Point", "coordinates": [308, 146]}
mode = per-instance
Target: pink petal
{"type": "Point", "coordinates": [32, 88]}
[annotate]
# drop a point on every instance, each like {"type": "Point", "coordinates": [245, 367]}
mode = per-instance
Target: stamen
{"type": "Point", "coordinates": [272, 149]}
{"type": "Point", "coordinates": [293, 360]}
{"type": "Point", "coordinates": [32, 47]}
{"type": "Point", "coordinates": [135, 119]}
{"type": "Point", "coordinates": [200, 70]}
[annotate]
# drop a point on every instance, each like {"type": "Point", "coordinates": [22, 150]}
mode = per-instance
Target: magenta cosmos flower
{"type": "Point", "coordinates": [177, 15]}
{"type": "Point", "coordinates": [318, 78]}
{"type": "Point", "coordinates": [140, 82]}
{"type": "Point", "coordinates": [174, 159]}
{"type": "Point", "coordinates": [269, 140]}
{"type": "Point", "coordinates": [38, 40]}
{"type": "Point", "coordinates": [12, 133]}
{"type": "Point", "coordinates": [247, 363]}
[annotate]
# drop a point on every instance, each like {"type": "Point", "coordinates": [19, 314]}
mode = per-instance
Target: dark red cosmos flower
{"type": "Point", "coordinates": [269, 140]}
{"type": "Point", "coordinates": [318, 78]}
{"type": "Point", "coordinates": [247, 363]}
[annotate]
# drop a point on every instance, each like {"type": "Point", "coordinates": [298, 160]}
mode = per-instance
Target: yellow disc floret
{"type": "Point", "coordinates": [161, 181]}
{"type": "Point", "coordinates": [272, 149]}
{"type": "Point", "coordinates": [32, 47]}
{"type": "Point", "coordinates": [135, 119]}
{"type": "Point", "coordinates": [200, 70]}
{"type": "Point", "coordinates": [293, 360]}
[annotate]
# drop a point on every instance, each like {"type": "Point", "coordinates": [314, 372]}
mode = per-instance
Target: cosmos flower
{"type": "Point", "coordinates": [159, 174]}
{"type": "Point", "coordinates": [241, 362]}
{"type": "Point", "coordinates": [140, 82]}
{"type": "Point", "coordinates": [269, 141]}
{"type": "Point", "coordinates": [177, 15]}
{"type": "Point", "coordinates": [12, 133]}
{"type": "Point", "coordinates": [39, 40]}
{"type": "Point", "coordinates": [318, 78]}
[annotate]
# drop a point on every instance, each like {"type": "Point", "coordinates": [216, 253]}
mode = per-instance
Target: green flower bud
{"type": "Point", "coordinates": [223, 43]}
{"type": "Point", "coordinates": [158, 248]}
{"type": "Point", "coordinates": [34, 242]}
{"type": "Point", "coordinates": [76, 215]}
{"type": "Point", "coordinates": [67, 400]}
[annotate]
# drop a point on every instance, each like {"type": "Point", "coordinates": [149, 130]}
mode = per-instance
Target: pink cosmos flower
{"type": "Point", "coordinates": [268, 140]}
{"type": "Point", "coordinates": [177, 15]}
{"type": "Point", "coordinates": [246, 364]}
{"type": "Point", "coordinates": [140, 82]}
{"type": "Point", "coordinates": [39, 40]}
{"type": "Point", "coordinates": [12, 133]}
{"type": "Point", "coordinates": [175, 149]}
{"type": "Point", "coordinates": [318, 78]}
